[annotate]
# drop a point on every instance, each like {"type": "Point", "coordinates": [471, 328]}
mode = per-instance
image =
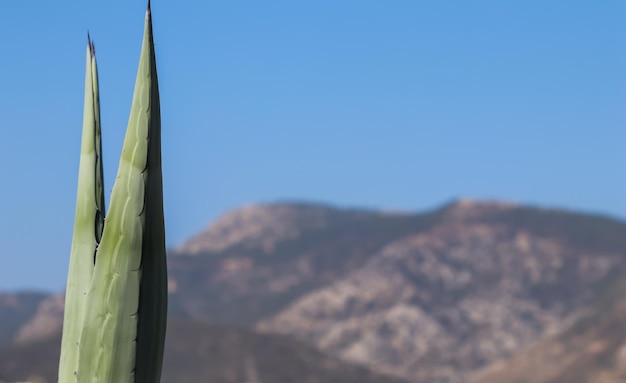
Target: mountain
{"type": "Point", "coordinates": [432, 297]}
{"type": "Point", "coordinates": [253, 262]}
{"type": "Point", "coordinates": [202, 352]}
{"type": "Point", "coordinates": [483, 282]}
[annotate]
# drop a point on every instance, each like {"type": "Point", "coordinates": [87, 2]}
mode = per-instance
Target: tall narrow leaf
{"type": "Point", "coordinates": [124, 330]}
{"type": "Point", "coordinates": [153, 292]}
{"type": "Point", "coordinates": [88, 222]}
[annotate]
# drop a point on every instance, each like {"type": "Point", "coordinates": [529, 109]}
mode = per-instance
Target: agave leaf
{"type": "Point", "coordinates": [88, 222]}
{"type": "Point", "coordinates": [122, 340]}
{"type": "Point", "coordinates": [153, 292]}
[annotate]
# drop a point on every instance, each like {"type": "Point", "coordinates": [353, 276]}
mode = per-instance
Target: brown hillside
{"type": "Point", "coordinates": [200, 352]}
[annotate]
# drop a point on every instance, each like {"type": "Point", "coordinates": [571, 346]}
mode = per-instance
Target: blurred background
{"type": "Point", "coordinates": [355, 191]}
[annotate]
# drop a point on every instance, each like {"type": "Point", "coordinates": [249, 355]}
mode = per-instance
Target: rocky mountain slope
{"type": "Point", "coordinates": [430, 297]}
{"type": "Point", "coordinates": [592, 350]}
{"type": "Point", "coordinates": [255, 277]}
{"type": "Point", "coordinates": [201, 352]}
{"type": "Point", "coordinates": [437, 305]}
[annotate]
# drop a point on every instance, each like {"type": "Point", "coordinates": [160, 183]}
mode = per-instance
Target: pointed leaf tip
{"type": "Point", "coordinates": [90, 44]}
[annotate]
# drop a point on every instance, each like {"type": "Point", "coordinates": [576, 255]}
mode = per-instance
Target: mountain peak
{"type": "Point", "coordinates": [258, 224]}
{"type": "Point", "coordinates": [264, 224]}
{"type": "Point", "coordinates": [468, 208]}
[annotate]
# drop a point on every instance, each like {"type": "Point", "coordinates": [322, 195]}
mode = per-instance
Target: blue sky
{"type": "Point", "coordinates": [384, 104]}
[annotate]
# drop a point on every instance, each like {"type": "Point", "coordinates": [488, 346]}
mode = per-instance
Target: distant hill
{"type": "Point", "coordinates": [15, 310]}
{"type": "Point", "coordinates": [430, 297]}
{"type": "Point", "coordinates": [201, 352]}
{"type": "Point", "coordinates": [281, 252]}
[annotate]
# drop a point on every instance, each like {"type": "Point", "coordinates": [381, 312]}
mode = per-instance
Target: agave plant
{"type": "Point", "coordinates": [116, 296]}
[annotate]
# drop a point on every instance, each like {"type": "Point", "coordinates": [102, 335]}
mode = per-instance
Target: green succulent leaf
{"type": "Point", "coordinates": [88, 222]}
{"type": "Point", "coordinates": [124, 330]}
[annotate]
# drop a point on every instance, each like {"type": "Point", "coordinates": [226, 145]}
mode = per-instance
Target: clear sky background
{"type": "Point", "coordinates": [383, 104]}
